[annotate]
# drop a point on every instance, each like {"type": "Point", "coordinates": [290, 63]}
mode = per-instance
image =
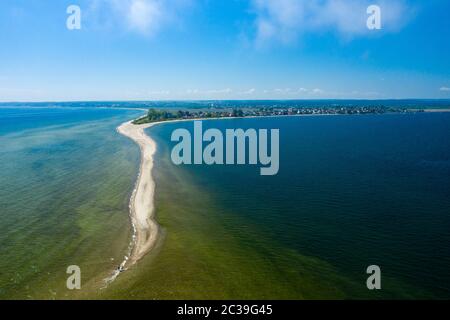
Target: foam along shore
{"type": "Point", "coordinates": [145, 228]}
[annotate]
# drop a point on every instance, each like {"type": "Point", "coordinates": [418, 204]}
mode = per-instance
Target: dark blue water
{"type": "Point", "coordinates": [352, 191]}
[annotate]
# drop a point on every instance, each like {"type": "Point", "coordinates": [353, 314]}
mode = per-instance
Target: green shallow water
{"type": "Point", "coordinates": [65, 184]}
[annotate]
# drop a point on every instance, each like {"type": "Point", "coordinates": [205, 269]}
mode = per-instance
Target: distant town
{"type": "Point", "coordinates": [157, 115]}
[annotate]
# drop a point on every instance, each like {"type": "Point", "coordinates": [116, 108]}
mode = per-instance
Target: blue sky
{"type": "Point", "coordinates": [223, 49]}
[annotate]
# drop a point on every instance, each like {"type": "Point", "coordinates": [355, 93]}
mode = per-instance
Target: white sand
{"type": "Point", "coordinates": [145, 228]}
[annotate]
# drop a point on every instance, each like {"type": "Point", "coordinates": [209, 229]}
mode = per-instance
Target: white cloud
{"type": "Point", "coordinates": [159, 93]}
{"type": "Point", "coordinates": [317, 91]}
{"type": "Point", "coordinates": [285, 20]}
{"type": "Point", "coordinates": [192, 91]}
{"type": "Point", "coordinates": [146, 17]}
{"type": "Point", "coordinates": [249, 91]}
{"type": "Point", "coordinates": [445, 89]}
{"type": "Point", "coordinates": [210, 92]}
{"type": "Point", "coordinates": [215, 91]}
{"type": "Point", "coordinates": [296, 92]}
{"type": "Point", "coordinates": [282, 91]}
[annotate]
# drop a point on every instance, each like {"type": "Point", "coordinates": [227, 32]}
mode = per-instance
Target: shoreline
{"type": "Point", "coordinates": [145, 228]}
{"type": "Point", "coordinates": [142, 208]}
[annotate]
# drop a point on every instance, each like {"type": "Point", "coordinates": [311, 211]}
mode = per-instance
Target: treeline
{"type": "Point", "coordinates": [154, 115]}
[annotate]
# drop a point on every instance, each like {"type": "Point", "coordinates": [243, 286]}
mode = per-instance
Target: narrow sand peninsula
{"type": "Point", "coordinates": [145, 228]}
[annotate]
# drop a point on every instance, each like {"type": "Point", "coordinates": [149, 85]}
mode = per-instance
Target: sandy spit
{"type": "Point", "coordinates": [145, 228]}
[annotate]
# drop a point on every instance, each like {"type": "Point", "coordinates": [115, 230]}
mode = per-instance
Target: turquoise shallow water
{"type": "Point", "coordinates": [65, 181]}
{"type": "Point", "coordinates": [352, 191]}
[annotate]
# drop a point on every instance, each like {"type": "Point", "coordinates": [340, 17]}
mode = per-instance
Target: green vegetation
{"type": "Point", "coordinates": [155, 115]}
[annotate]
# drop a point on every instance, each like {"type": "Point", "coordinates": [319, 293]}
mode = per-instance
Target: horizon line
{"type": "Point", "coordinates": [220, 100]}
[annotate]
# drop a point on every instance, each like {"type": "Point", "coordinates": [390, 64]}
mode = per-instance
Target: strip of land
{"type": "Point", "coordinates": [145, 228]}
{"type": "Point", "coordinates": [164, 115]}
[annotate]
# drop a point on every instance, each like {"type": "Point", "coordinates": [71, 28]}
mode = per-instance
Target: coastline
{"type": "Point", "coordinates": [145, 227]}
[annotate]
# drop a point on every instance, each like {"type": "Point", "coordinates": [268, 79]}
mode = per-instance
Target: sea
{"type": "Point", "coordinates": [352, 191]}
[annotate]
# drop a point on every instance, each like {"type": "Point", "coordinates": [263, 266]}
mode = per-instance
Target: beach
{"type": "Point", "coordinates": [145, 228]}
